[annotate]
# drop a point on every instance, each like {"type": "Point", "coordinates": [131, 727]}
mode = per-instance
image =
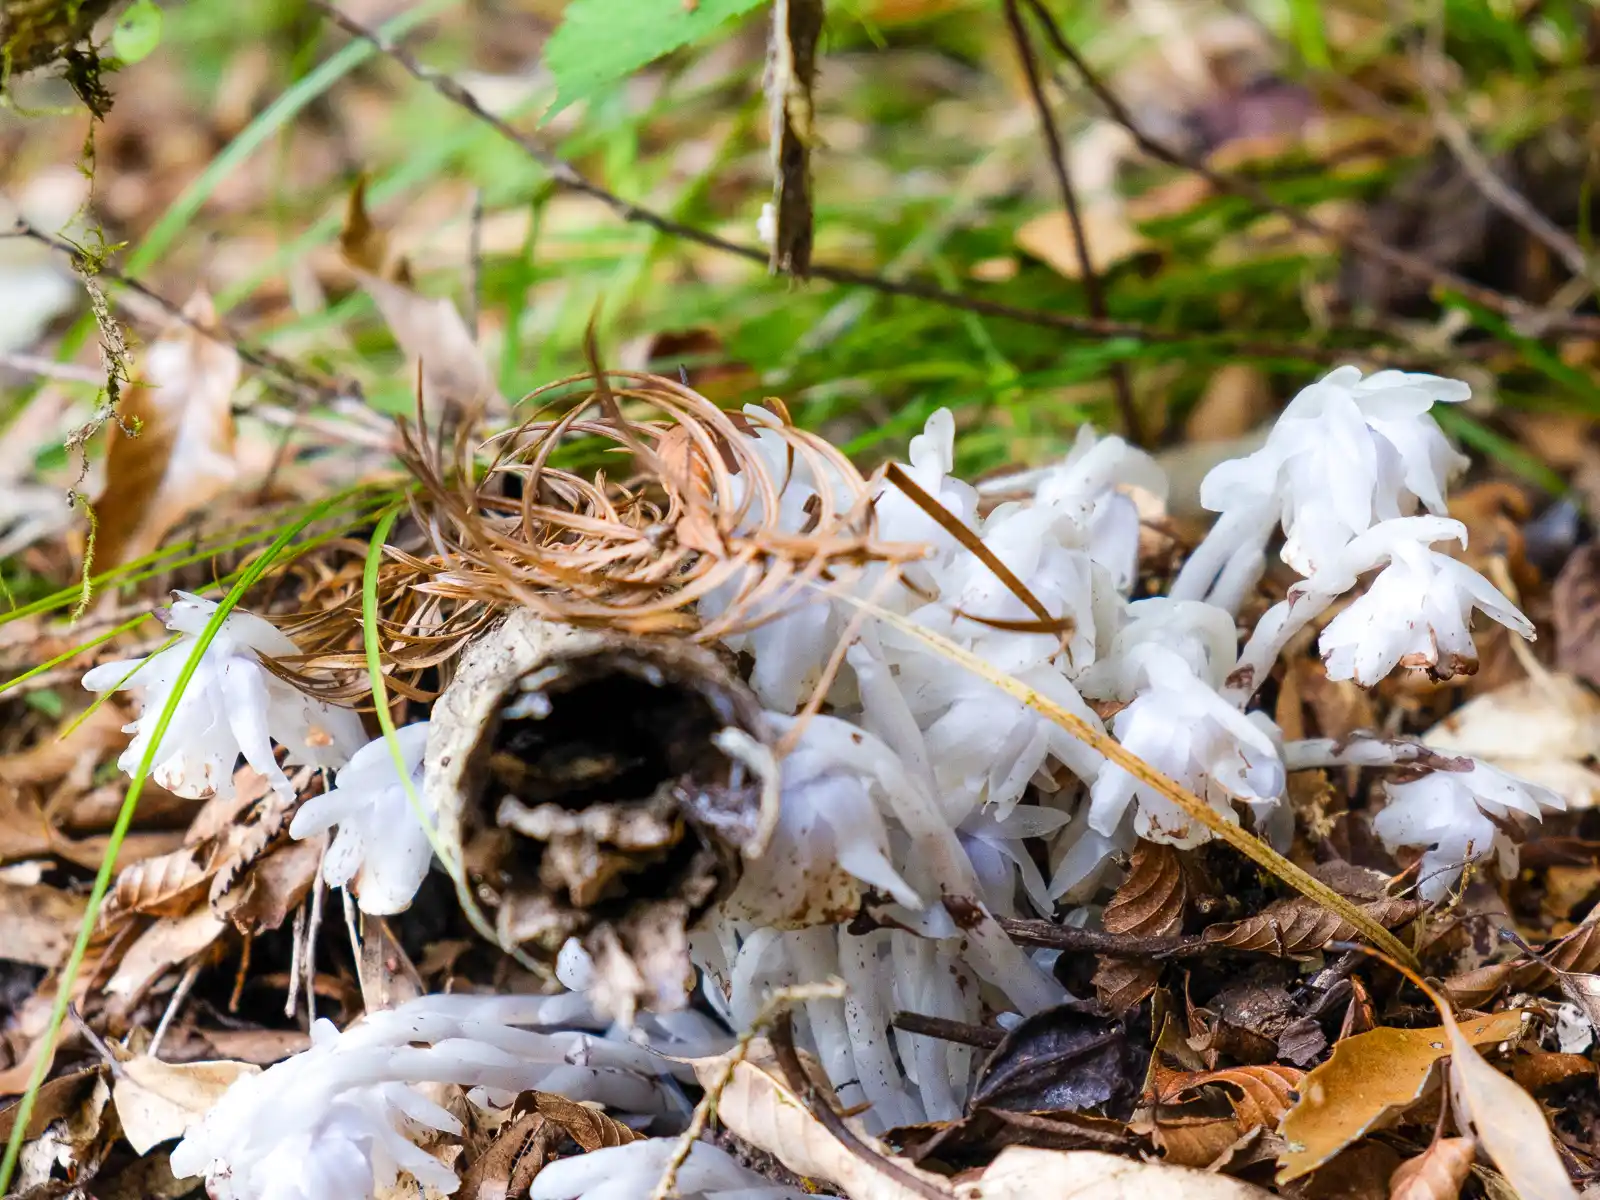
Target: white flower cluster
{"type": "Point", "coordinates": [341, 1120]}
{"type": "Point", "coordinates": [232, 705]}
{"type": "Point", "coordinates": [927, 803]}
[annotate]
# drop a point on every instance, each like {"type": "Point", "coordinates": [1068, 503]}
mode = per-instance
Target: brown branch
{"type": "Point", "coordinates": [1401, 261]}
{"type": "Point", "coordinates": [1093, 292]}
{"type": "Point", "coordinates": [1093, 941]}
{"type": "Point", "coordinates": [298, 381]}
{"type": "Point", "coordinates": [567, 176]}
{"type": "Point", "coordinates": [960, 1032]}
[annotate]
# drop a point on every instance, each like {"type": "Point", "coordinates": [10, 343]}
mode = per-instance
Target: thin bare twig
{"type": "Point", "coordinates": [567, 176]}
{"type": "Point", "coordinates": [49, 368]}
{"type": "Point", "coordinates": [291, 377]}
{"type": "Point", "coordinates": [962, 1033]}
{"type": "Point", "coordinates": [1094, 293]}
{"type": "Point", "coordinates": [1401, 261]}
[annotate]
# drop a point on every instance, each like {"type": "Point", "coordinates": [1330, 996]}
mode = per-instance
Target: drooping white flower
{"type": "Point", "coordinates": [382, 846]}
{"type": "Point", "coordinates": [1182, 727]}
{"type": "Point", "coordinates": [1346, 453]}
{"type": "Point", "coordinates": [1086, 488]}
{"type": "Point", "coordinates": [632, 1171]}
{"type": "Point", "coordinates": [830, 838]}
{"type": "Point", "coordinates": [1417, 611]}
{"type": "Point", "coordinates": [338, 1121]}
{"type": "Point", "coordinates": [231, 705]}
{"type": "Point", "coordinates": [1457, 816]}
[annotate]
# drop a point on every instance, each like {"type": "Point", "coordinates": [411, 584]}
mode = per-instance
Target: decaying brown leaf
{"type": "Point", "coordinates": [456, 379]}
{"type": "Point", "coordinates": [1368, 1079]}
{"type": "Point", "coordinates": [167, 942]}
{"type": "Point", "coordinates": [37, 923]}
{"type": "Point", "coordinates": [589, 781]}
{"type": "Point", "coordinates": [171, 448]}
{"type": "Point", "coordinates": [1109, 234]}
{"type": "Point", "coordinates": [1258, 1095]}
{"type": "Point", "coordinates": [1299, 925]}
{"type": "Point", "coordinates": [1435, 1174]}
{"type": "Point", "coordinates": [156, 1101]}
{"type": "Point", "coordinates": [1508, 1123]}
{"type": "Point", "coordinates": [1151, 902]}
{"type": "Point", "coordinates": [66, 1153]}
{"type": "Point", "coordinates": [1064, 1059]}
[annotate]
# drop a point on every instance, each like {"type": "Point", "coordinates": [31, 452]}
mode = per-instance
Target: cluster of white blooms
{"type": "Point", "coordinates": [341, 1119]}
{"type": "Point", "coordinates": [927, 803]}
{"type": "Point", "coordinates": [231, 706]}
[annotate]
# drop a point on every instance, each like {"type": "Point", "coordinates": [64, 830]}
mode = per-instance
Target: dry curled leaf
{"type": "Point", "coordinates": [1108, 235]}
{"type": "Point", "coordinates": [171, 449]}
{"type": "Point", "coordinates": [1435, 1174]}
{"type": "Point", "coordinates": [1369, 1079]}
{"type": "Point", "coordinates": [1509, 1124]}
{"type": "Point", "coordinates": [1151, 902]}
{"type": "Point", "coordinates": [1299, 925]}
{"type": "Point", "coordinates": [1259, 1095]}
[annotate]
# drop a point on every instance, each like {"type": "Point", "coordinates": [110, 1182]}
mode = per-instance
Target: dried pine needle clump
{"type": "Point", "coordinates": [690, 503]}
{"type": "Point", "coordinates": [602, 787]}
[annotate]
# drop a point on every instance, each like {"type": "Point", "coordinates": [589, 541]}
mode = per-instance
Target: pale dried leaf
{"type": "Point", "coordinates": [1540, 728]}
{"type": "Point", "coordinates": [1107, 231]}
{"type": "Point", "coordinates": [1436, 1174]}
{"type": "Point", "coordinates": [156, 1101]}
{"type": "Point", "coordinates": [37, 923]}
{"type": "Point", "coordinates": [1023, 1173]}
{"type": "Point", "coordinates": [760, 1108]}
{"type": "Point", "coordinates": [171, 940]}
{"type": "Point", "coordinates": [183, 455]}
{"type": "Point", "coordinates": [167, 885]}
{"type": "Point", "coordinates": [1369, 1079]}
{"type": "Point", "coordinates": [456, 379]}
{"type": "Point", "coordinates": [1509, 1124]}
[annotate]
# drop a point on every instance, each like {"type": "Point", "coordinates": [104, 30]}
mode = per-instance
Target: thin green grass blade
{"type": "Point", "coordinates": [380, 699]}
{"type": "Point", "coordinates": [69, 655]}
{"type": "Point", "coordinates": [119, 831]}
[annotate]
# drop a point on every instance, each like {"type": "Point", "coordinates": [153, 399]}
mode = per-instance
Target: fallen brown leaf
{"type": "Point", "coordinates": [1370, 1078]}
{"type": "Point", "coordinates": [1575, 612]}
{"type": "Point", "coordinates": [1259, 1095]}
{"type": "Point", "coordinates": [37, 923]}
{"type": "Point", "coordinates": [1299, 925]}
{"type": "Point", "coordinates": [758, 1106]}
{"type": "Point", "coordinates": [169, 941]}
{"type": "Point", "coordinates": [171, 448]}
{"type": "Point", "coordinates": [1435, 1174]}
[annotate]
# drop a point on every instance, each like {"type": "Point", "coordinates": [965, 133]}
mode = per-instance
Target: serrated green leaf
{"type": "Point", "coordinates": [602, 41]}
{"type": "Point", "coordinates": [138, 31]}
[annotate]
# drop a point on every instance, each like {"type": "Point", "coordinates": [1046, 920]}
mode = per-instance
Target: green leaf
{"type": "Point", "coordinates": [603, 41]}
{"type": "Point", "coordinates": [138, 31]}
